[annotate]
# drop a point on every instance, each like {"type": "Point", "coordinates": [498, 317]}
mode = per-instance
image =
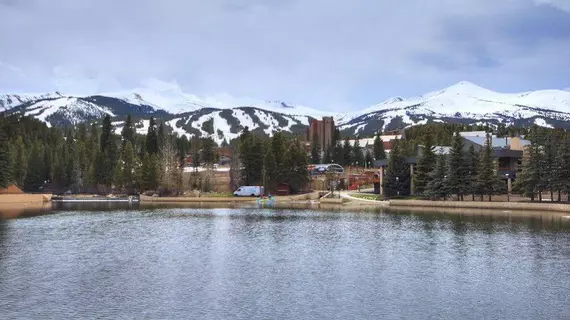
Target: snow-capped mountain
{"type": "Point", "coordinates": [463, 102]}
{"type": "Point", "coordinates": [223, 117]}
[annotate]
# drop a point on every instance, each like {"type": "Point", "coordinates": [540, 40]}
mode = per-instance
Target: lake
{"type": "Point", "coordinates": [255, 263]}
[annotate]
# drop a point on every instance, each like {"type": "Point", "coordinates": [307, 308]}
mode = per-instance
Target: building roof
{"type": "Point", "coordinates": [370, 141]}
{"type": "Point", "coordinates": [478, 137]}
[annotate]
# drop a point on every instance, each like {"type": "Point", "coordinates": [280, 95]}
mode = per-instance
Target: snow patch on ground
{"type": "Point", "coordinates": [144, 129]}
{"type": "Point", "coordinates": [541, 122]}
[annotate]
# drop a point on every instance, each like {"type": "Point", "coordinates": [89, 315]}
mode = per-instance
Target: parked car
{"type": "Point", "coordinates": [249, 191]}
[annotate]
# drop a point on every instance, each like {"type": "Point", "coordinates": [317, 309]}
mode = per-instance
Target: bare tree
{"type": "Point", "coordinates": [171, 170]}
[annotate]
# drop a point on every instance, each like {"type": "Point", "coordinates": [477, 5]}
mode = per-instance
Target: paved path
{"type": "Point", "coordinates": [346, 195]}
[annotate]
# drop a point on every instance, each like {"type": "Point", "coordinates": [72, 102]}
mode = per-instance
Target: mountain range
{"type": "Point", "coordinates": [224, 119]}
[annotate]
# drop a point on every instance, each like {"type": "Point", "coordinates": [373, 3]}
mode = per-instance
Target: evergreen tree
{"type": "Point", "coordinates": [548, 164]}
{"type": "Point", "coordinates": [426, 165]}
{"type": "Point", "coordinates": [296, 162]}
{"type": "Point", "coordinates": [225, 143]}
{"type": "Point", "coordinates": [35, 175]}
{"type": "Point", "coordinates": [336, 151]}
{"type": "Point", "coordinates": [436, 188]}
{"type": "Point", "coordinates": [20, 163]}
{"type": "Point", "coordinates": [368, 159]}
{"type": "Point", "coordinates": [347, 159]}
{"type": "Point", "coordinates": [128, 132]}
{"type": "Point", "coordinates": [397, 180]}
{"type": "Point", "coordinates": [279, 150]}
{"type": "Point", "coordinates": [129, 169]}
{"type": "Point", "coordinates": [561, 173]}
{"type": "Point", "coordinates": [149, 172]}
{"type": "Point", "coordinates": [161, 136]}
{"type": "Point", "coordinates": [473, 162]}
{"type": "Point", "coordinates": [183, 148]}
{"type": "Point", "coordinates": [457, 171]}
{"type": "Point", "coordinates": [151, 138]}
{"type": "Point", "coordinates": [195, 153]}
{"type": "Point", "coordinates": [488, 181]}
{"type": "Point", "coordinates": [528, 180]}
{"type": "Point", "coordinates": [357, 155]}
{"type": "Point", "coordinates": [328, 154]}
{"type": "Point", "coordinates": [379, 153]}
{"type": "Point", "coordinates": [5, 165]}
{"type": "Point", "coordinates": [315, 149]}
{"type": "Point", "coordinates": [270, 168]}
{"type": "Point", "coordinates": [208, 152]}
{"type": "Point", "coordinates": [251, 157]}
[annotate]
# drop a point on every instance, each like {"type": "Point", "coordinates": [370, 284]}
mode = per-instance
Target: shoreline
{"type": "Point", "coordinates": [14, 205]}
{"type": "Point", "coordinates": [482, 205]}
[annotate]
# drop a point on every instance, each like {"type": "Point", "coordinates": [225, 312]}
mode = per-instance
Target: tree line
{"type": "Point", "coordinates": [545, 166]}
{"type": "Point", "coordinates": [269, 162]}
{"type": "Point", "coordinates": [94, 158]}
{"type": "Point", "coordinates": [438, 176]}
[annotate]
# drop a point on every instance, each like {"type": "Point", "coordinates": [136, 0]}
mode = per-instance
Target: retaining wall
{"type": "Point", "coordinates": [482, 205]}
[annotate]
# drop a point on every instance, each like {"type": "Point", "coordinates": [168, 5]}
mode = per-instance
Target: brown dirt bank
{"type": "Point", "coordinates": [15, 205]}
{"type": "Point", "coordinates": [502, 206]}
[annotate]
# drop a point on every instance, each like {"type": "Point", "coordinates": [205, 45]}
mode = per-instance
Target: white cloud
{"type": "Point", "coordinates": [560, 4]}
{"type": "Point", "coordinates": [320, 53]}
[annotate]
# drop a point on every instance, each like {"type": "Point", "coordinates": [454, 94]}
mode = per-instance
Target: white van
{"type": "Point", "coordinates": [249, 191]}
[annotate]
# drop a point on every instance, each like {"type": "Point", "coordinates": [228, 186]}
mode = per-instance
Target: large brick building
{"type": "Point", "coordinates": [324, 130]}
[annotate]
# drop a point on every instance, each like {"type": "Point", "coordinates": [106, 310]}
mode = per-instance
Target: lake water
{"type": "Point", "coordinates": [196, 263]}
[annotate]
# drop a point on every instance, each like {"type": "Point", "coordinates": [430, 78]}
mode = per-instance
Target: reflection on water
{"type": "Point", "coordinates": [251, 263]}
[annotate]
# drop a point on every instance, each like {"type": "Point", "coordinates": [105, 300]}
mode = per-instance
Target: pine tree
{"type": "Point", "coordinates": [368, 159]}
{"type": "Point", "coordinates": [315, 149]}
{"type": "Point", "coordinates": [278, 147]}
{"type": "Point", "coordinates": [251, 156]}
{"type": "Point", "coordinates": [489, 182]}
{"type": "Point", "coordinates": [548, 165]}
{"type": "Point", "coordinates": [195, 153]}
{"type": "Point", "coordinates": [270, 168]}
{"type": "Point", "coordinates": [379, 153]}
{"type": "Point", "coordinates": [473, 162]}
{"type": "Point", "coordinates": [457, 171]}
{"type": "Point", "coordinates": [20, 163]}
{"type": "Point", "coordinates": [128, 132]}
{"type": "Point", "coordinates": [129, 169]}
{"type": "Point", "coordinates": [5, 165]}
{"type": "Point", "coordinates": [347, 159]}
{"type": "Point", "coordinates": [35, 175]}
{"type": "Point", "coordinates": [151, 138]}
{"type": "Point", "coordinates": [296, 162]}
{"type": "Point", "coordinates": [528, 180]}
{"type": "Point", "coordinates": [426, 165]}
{"type": "Point", "coordinates": [562, 168]}
{"type": "Point", "coordinates": [161, 136]}
{"type": "Point", "coordinates": [357, 155]}
{"type": "Point", "coordinates": [397, 180]}
{"type": "Point", "coordinates": [208, 152]}
{"type": "Point", "coordinates": [436, 187]}
{"type": "Point", "coordinates": [149, 173]}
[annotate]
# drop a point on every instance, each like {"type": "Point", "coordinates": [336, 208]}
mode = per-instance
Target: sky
{"type": "Point", "coordinates": [329, 55]}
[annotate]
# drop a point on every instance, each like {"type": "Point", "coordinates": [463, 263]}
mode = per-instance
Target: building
{"type": "Point", "coordinates": [324, 130]}
{"type": "Point", "coordinates": [508, 151]}
{"type": "Point", "coordinates": [381, 165]}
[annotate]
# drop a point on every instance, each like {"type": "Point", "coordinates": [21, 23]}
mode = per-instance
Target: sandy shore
{"type": "Point", "coordinates": [17, 205]}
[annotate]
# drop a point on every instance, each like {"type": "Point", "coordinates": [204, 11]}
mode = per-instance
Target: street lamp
{"type": "Point", "coordinates": [398, 185]}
